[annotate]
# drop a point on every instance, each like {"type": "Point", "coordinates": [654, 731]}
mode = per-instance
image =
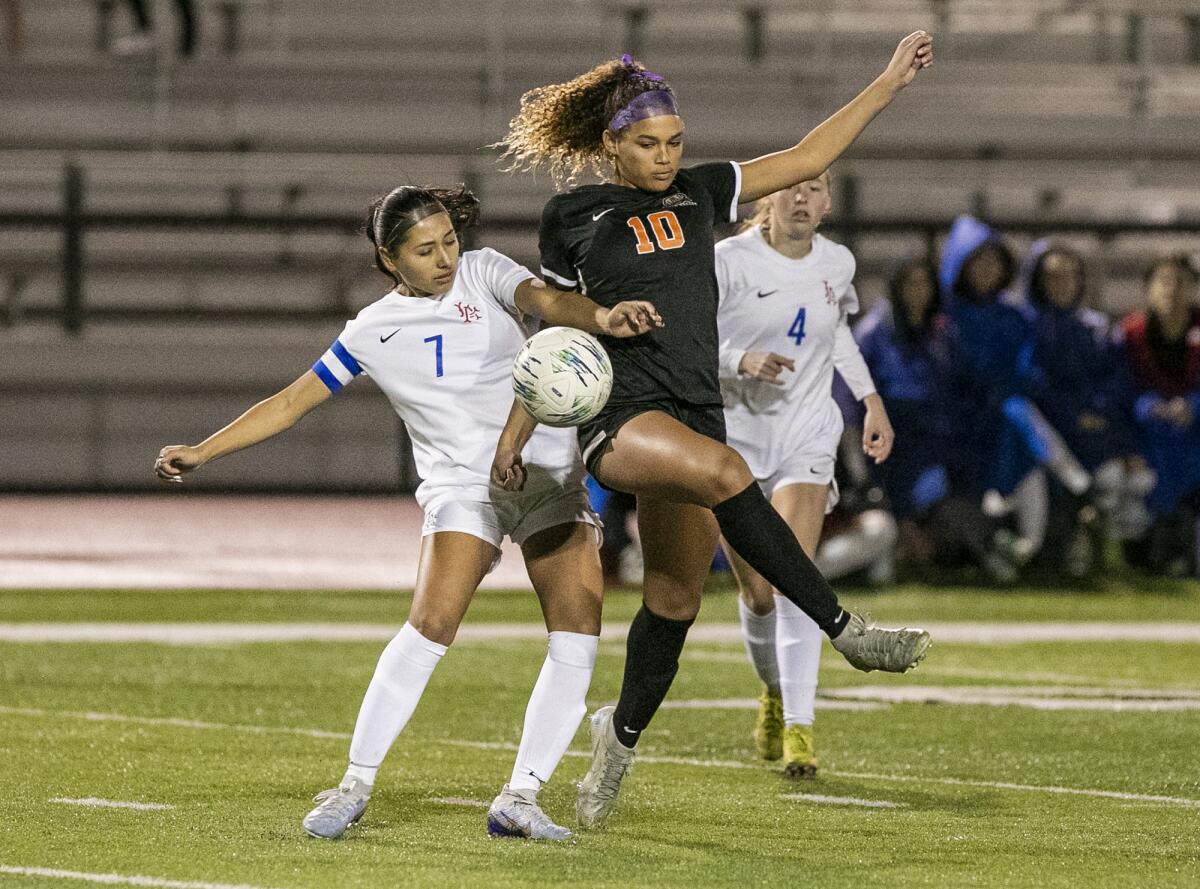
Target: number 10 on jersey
{"type": "Point", "coordinates": [667, 231]}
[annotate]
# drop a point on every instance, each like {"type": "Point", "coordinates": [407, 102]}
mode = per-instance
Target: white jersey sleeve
{"type": "Point", "coordinates": [498, 275]}
{"type": "Point", "coordinates": [848, 361]}
{"type": "Point", "coordinates": [338, 366]}
{"type": "Point", "coordinates": [729, 353]}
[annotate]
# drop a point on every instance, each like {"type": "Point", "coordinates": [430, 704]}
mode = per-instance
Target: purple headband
{"type": "Point", "coordinates": [651, 103]}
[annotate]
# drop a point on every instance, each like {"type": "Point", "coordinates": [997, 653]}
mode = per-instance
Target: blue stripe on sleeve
{"type": "Point", "coordinates": [345, 357]}
{"type": "Point", "coordinates": [327, 376]}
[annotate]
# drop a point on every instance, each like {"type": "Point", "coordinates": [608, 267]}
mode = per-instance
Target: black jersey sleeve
{"type": "Point", "coordinates": [557, 267]}
{"type": "Point", "coordinates": [723, 182]}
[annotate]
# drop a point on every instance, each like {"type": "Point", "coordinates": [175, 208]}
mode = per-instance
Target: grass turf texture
{"type": "Point", "coordinates": [239, 794]}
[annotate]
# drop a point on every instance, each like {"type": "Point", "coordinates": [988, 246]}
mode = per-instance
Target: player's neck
{"type": "Point", "coordinates": [793, 246]}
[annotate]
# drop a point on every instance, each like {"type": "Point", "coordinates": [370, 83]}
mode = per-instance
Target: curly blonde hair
{"type": "Point", "coordinates": [560, 127]}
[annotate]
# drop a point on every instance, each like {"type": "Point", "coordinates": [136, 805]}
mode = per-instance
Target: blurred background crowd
{"type": "Point", "coordinates": [182, 184]}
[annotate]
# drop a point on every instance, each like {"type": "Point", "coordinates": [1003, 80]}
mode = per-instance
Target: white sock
{"type": "Point", "coordinates": [758, 633]}
{"type": "Point", "coordinates": [400, 678]}
{"type": "Point", "coordinates": [798, 643]}
{"type": "Point", "coordinates": [555, 708]}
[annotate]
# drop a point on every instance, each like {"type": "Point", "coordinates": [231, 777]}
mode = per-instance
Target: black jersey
{"type": "Point", "coordinates": [615, 243]}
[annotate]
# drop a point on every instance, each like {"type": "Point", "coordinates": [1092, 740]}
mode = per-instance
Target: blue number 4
{"type": "Point", "coordinates": [796, 331]}
{"type": "Point", "coordinates": [437, 350]}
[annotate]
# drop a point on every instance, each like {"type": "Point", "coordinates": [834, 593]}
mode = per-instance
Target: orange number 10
{"type": "Point", "coordinates": [667, 231]}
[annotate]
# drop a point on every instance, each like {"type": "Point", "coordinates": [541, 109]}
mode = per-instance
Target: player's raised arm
{"type": "Point", "coordinates": [820, 148]}
{"type": "Point", "coordinates": [571, 309]}
{"type": "Point", "coordinates": [267, 418]}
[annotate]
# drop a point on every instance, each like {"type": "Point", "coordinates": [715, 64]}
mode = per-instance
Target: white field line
{"type": "Point", "coordinates": [459, 801]}
{"type": "Point", "coordinates": [1032, 697]}
{"type": "Point", "coordinates": [233, 633]}
{"type": "Point", "coordinates": [116, 879]}
{"type": "Point", "coordinates": [752, 704]}
{"type": "Point", "coordinates": [841, 800]}
{"type": "Point", "coordinates": [652, 759]}
{"type": "Point", "coordinates": [93, 802]}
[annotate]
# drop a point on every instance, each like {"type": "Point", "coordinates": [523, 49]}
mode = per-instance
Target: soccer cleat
{"type": "Point", "coordinates": [610, 761]}
{"type": "Point", "coordinates": [868, 647]}
{"type": "Point", "coordinates": [339, 808]}
{"type": "Point", "coordinates": [799, 754]}
{"type": "Point", "coordinates": [768, 731]}
{"type": "Point", "coordinates": [515, 813]}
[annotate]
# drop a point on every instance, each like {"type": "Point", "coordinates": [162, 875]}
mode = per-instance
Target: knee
{"type": "Point", "coordinates": [728, 475]}
{"type": "Point", "coordinates": [434, 627]}
{"type": "Point", "coordinates": [759, 596]}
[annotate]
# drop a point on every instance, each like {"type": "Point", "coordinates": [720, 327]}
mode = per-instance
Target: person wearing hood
{"type": "Point", "coordinates": [1072, 378]}
{"type": "Point", "coordinates": [914, 355]}
{"type": "Point", "coordinates": [1160, 351]}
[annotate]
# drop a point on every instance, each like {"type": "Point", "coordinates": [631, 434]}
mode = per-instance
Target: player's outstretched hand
{"type": "Point", "coordinates": [878, 435]}
{"type": "Point", "coordinates": [765, 367]}
{"type": "Point", "coordinates": [174, 460]}
{"type": "Point", "coordinates": [914, 53]}
{"type": "Point", "coordinates": [508, 469]}
{"type": "Point", "coordinates": [631, 318]}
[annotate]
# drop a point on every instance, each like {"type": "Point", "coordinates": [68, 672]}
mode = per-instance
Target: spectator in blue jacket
{"type": "Point", "coordinates": [913, 353]}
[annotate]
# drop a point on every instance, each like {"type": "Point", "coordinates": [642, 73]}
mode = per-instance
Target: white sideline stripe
{"type": "Point", "coordinates": [841, 800]}
{"type": "Point", "coordinates": [93, 802]}
{"type": "Point", "coordinates": [459, 801]}
{"type": "Point", "coordinates": [1032, 697]}
{"type": "Point", "coordinates": [232, 633]}
{"type": "Point", "coordinates": [664, 760]}
{"type": "Point", "coordinates": [116, 879]}
{"type": "Point", "coordinates": [752, 704]}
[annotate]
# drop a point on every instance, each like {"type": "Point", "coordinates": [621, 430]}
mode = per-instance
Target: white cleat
{"type": "Point", "coordinates": [868, 647]}
{"type": "Point", "coordinates": [610, 761]}
{"type": "Point", "coordinates": [515, 813]}
{"type": "Point", "coordinates": [339, 808]}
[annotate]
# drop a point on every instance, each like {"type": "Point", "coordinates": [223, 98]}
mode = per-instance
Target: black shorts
{"type": "Point", "coordinates": [596, 433]}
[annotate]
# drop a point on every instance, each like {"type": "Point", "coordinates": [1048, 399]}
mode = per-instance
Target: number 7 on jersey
{"type": "Point", "coordinates": [437, 350]}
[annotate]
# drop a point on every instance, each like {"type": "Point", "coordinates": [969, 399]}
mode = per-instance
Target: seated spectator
{"type": "Point", "coordinates": [912, 351]}
{"type": "Point", "coordinates": [1160, 347]}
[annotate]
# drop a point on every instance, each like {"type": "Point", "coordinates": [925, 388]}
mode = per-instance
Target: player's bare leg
{"type": "Point", "coordinates": [564, 564]}
{"type": "Point", "coordinates": [655, 455]}
{"type": "Point", "coordinates": [452, 565]}
{"type": "Point", "coordinates": [678, 541]}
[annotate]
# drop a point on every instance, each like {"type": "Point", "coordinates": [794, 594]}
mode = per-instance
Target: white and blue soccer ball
{"type": "Point", "coordinates": [562, 376]}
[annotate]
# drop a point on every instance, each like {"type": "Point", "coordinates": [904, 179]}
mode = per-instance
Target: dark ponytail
{"type": "Point", "coordinates": [390, 216]}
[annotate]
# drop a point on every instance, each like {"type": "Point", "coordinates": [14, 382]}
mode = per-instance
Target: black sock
{"type": "Point", "coordinates": [759, 535]}
{"type": "Point", "coordinates": [651, 662]}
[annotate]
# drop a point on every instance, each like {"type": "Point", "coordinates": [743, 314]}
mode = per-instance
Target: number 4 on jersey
{"type": "Point", "coordinates": [796, 331]}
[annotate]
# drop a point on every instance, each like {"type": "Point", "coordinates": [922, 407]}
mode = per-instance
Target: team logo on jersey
{"type": "Point", "coordinates": [468, 313]}
{"type": "Point", "coordinates": [678, 200]}
{"type": "Point", "coordinates": [830, 296]}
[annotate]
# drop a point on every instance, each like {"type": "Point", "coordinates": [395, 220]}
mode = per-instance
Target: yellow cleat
{"type": "Point", "coordinates": [799, 753]}
{"type": "Point", "coordinates": [768, 731]}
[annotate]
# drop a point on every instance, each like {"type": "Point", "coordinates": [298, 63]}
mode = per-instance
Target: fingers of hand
{"type": "Point", "coordinates": [784, 362]}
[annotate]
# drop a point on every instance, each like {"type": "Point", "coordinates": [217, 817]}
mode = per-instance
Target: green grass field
{"type": "Point", "coordinates": [1069, 763]}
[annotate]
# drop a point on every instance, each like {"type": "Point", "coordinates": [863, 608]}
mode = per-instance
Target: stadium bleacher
{"type": "Point", "coordinates": [298, 108]}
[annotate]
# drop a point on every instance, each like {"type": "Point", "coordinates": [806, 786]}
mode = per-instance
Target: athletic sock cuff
{"type": "Point", "coordinates": [573, 649]}
{"type": "Point", "coordinates": [409, 643]}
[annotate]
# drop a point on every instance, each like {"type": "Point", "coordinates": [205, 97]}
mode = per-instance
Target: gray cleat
{"type": "Point", "coordinates": [868, 647]}
{"type": "Point", "coordinates": [515, 813]}
{"type": "Point", "coordinates": [339, 808]}
{"type": "Point", "coordinates": [610, 761]}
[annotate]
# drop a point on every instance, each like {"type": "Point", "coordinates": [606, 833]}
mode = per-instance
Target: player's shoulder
{"type": "Point", "coordinates": [835, 254]}
{"type": "Point", "coordinates": [741, 244]}
{"type": "Point", "coordinates": [566, 206]}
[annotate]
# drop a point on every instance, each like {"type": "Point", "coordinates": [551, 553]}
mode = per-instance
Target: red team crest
{"type": "Point", "coordinates": [468, 313]}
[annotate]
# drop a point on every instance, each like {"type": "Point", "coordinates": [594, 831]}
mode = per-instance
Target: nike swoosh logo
{"type": "Point", "coordinates": [762, 295]}
{"type": "Point", "coordinates": [384, 339]}
{"type": "Point", "coordinates": [596, 216]}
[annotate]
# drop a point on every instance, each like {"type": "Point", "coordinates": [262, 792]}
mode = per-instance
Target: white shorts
{"type": "Point", "coordinates": [781, 460]}
{"type": "Point", "coordinates": [517, 516]}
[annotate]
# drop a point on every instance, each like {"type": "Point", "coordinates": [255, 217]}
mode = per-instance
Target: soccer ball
{"type": "Point", "coordinates": [562, 376]}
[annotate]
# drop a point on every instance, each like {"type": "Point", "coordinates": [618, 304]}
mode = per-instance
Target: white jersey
{"type": "Point", "coordinates": [445, 364]}
{"type": "Point", "coordinates": [796, 308]}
